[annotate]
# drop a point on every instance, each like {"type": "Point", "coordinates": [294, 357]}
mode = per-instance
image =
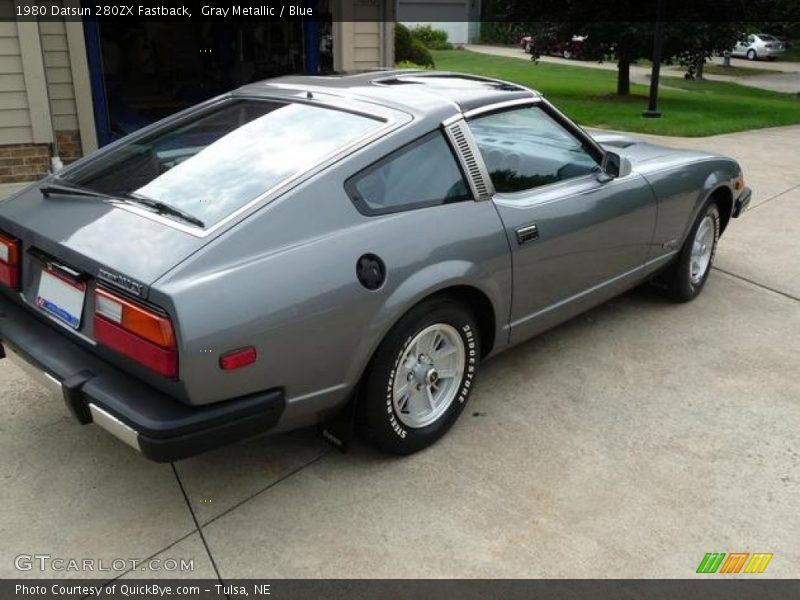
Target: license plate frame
{"type": "Point", "coordinates": [61, 298]}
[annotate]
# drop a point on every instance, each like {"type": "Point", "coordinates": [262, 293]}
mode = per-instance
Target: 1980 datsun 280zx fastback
{"type": "Point", "coordinates": [270, 257]}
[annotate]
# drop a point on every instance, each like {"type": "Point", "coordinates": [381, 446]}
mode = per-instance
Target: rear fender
{"type": "Point", "coordinates": [422, 284]}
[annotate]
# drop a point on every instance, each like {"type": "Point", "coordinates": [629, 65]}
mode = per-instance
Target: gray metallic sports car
{"type": "Point", "coordinates": [310, 247]}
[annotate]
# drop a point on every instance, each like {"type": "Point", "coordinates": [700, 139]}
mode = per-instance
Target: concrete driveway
{"type": "Point", "coordinates": [628, 442]}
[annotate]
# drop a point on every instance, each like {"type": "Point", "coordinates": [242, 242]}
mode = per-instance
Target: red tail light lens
{"type": "Point", "coordinates": [9, 262]}
{"type": "Point", "coordinates": [137, 332]}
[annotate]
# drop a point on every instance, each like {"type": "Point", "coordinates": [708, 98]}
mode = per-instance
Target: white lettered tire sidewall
{"type": "Point", "coordinates": [383, 425]}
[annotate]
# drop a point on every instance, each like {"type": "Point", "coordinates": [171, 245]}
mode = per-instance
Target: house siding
{"type": "Point", "coordinates": [59, 75]}
{"type": "Point", "coordinates": [37, 98]}
{"type": "Point", "coordinates": [15, 119]}
{"type": "Point", "coordinates": [363, 34]}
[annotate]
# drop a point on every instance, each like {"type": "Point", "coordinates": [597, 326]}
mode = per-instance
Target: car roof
{"type": "Point", "coordinates": [412, 91]}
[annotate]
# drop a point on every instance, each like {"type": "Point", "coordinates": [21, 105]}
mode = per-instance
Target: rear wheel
{"type": "Point", "coordinates": [751, 54]}
{"type": "Point", "coordinates": [686, 277]}
{"type": "Point", "coordinates": [420, 377]}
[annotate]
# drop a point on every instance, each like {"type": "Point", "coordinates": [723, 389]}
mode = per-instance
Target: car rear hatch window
{"type": "Point", "coordinates": [214, 162]}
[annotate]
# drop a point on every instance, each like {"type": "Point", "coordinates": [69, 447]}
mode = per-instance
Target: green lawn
{"type": "Point", "coordinates": [792, 52]}
{"type": "Point", "coordinates": [713, 69]}
{"type": "Point", "coordinates": [690, 108]}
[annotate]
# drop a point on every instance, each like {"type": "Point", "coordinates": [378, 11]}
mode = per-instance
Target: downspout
{"type": "Point", "coordinates": [386, 31]}
{"type": "Point", "coordinates": [56, 164]}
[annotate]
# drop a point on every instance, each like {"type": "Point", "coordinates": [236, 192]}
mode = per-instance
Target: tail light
{"type": "Point", "coordinates": [768, 45]}
{"type": "Point", "coordinates": [137, 332]}
{"type": "Point", "coordinates": [9, 262]}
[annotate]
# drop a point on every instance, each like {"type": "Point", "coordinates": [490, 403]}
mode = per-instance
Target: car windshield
{"type": "Point", "coordinates": [767, 38]}
{"type": "Point", "coordinates": [216, 161]}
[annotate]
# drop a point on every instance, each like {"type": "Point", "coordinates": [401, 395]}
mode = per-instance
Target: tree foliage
{"type": "Point", "coordinates": [622, 30]}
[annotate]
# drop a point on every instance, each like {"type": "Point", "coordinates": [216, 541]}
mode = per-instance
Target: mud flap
{"type": "Point", "coordinates": [340, 430]}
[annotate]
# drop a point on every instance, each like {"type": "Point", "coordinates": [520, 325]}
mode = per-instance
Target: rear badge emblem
{"type": "Point", "coordinates": [126, 283]}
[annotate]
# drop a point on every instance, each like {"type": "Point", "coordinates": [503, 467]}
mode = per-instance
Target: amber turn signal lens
{"type": "Point", "coordinates": [146, 324]}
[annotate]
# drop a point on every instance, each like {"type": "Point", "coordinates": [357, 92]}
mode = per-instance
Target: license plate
{"type": "Point", "coordinates": [61, 298]}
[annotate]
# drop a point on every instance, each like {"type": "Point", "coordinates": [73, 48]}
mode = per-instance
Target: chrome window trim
{"type": "Point", "coordinates": [497, 106]}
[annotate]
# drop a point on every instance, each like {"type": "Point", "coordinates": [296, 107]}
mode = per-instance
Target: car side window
{"type": "Point", "coordinates": [525, 148]}
{"type": "Point", "coordinates": [751, 39]}
{"type": "Point", "coordinates": [422, 173]}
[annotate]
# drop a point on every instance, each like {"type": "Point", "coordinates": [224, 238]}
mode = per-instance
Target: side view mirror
{"type": "Point", "coordinates": [614, 166]}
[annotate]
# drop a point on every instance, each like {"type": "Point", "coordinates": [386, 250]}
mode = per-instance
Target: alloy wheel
{"type": "Point", "coordinates": [429, 375]}
{"type": "Point", "coordinates": [702, 248]}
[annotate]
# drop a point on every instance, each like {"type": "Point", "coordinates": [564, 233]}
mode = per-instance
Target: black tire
{"type": "Point", "coordinates": [379, 419]}
{"type": "Point", "coordinates": [751, 54]}
{"type": "Point", "coordinates": [677, 279]}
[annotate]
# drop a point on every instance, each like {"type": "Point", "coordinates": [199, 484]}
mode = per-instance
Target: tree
{"type": "Point", "coordinates": [611, 31]}
{"type": "Point", "coordinates": [622, 30]}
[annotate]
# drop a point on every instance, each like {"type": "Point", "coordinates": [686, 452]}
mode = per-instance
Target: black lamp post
{"type": "Point", "coordinates": [652, 111]}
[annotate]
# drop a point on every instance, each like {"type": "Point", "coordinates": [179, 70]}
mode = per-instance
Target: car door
{"type": "Point", "coordinates": [576, 236]}
{"type": "Point", "coordinates": [740, 49]}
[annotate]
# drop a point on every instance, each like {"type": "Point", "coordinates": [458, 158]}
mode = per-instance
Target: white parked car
{"type": "Point", "coordinates": [759, 45]}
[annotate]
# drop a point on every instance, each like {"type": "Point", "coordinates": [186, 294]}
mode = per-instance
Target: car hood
{"type": "Point", "coordinates": [640, 152]}
{"type": "Point", "coordinates": [90, 235]}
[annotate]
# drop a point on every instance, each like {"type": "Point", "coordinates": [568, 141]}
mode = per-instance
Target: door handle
{"type": "Point", "coordinates": [528, 233]}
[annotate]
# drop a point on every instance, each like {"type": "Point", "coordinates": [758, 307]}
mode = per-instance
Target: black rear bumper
{"type": "Point", "coordinates": [160, 427]}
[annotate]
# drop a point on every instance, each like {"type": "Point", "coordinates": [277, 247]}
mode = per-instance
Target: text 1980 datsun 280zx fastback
{"type": "Point", "coordinates": [300, 246]}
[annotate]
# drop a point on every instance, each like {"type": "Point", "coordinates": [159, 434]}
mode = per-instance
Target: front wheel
{"type": "Point", "coordinates": [420, 377]}
{"type": "Point", "coordinates": [685, 278]}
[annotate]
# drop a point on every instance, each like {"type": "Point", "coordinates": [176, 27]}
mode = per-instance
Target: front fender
{"type": "Point", "coordinates": [682, 189]}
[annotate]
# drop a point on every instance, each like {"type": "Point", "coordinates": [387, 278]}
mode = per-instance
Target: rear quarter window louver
{"type": "Point", "coordinates": [466, 149]}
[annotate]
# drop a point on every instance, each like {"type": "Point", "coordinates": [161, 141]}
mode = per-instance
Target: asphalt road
{"type": "Point", "coordinates": [628, 442]}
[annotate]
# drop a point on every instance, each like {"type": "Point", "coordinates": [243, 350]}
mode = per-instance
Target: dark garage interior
{"type": "Point", "coordinates": [143, 71]}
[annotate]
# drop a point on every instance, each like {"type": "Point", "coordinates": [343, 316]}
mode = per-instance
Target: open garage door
{"type": "Point", "coordinates": [143, 71]}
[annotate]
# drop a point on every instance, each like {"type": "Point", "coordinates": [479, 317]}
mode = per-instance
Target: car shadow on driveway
{"type": "Point", "coordinates": [634, 430]}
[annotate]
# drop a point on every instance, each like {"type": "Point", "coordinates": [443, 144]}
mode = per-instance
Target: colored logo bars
{"type": "Point", "coordinates": [716, 562]}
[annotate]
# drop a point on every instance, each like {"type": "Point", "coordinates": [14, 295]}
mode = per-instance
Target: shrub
{"type": "Point", "coordinates": [402, 42]}
{"type": "Point", "coordinates": [420, 55]}
{"type": "Point", "coordinates": [433, 39]}
{"type": "Point", "coordinates": [407, 49]}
